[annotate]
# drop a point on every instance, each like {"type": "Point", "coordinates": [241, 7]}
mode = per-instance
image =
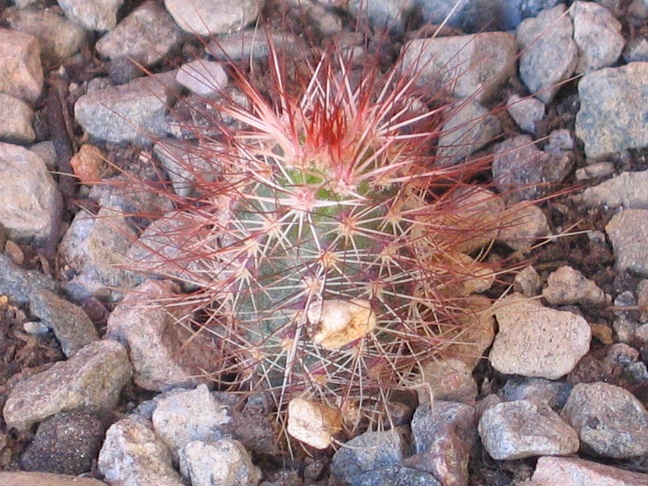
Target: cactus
{"type": "Point", "coordinates": [326, 249]}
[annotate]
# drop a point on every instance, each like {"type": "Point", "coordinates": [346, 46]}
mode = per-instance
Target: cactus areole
{"type": "Point", "coordinates": [327, 246]}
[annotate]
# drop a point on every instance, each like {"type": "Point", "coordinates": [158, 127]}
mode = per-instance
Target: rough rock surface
{"type": "Point", "coordinates": [628, 232]}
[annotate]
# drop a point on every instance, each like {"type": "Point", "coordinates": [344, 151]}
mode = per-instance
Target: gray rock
{"type": "Point", "coordinates": [188, 416]}
{"type": "Point", "coordinates": [204, 78]}
{"type": "Point", "coordinates": [394, 476]}
{"type": "Point", "coordinates": [536, 341]}
{"type": "Point", "coordinates": [29, 197]}
{"type": "Point", "coordinates": [133, 112]}
{"type": "Point", "coordinates": [21, 74]}
{"type": "Point", "coordinates": [98, 15]}
{"type": "Point", "coordinates": [223, 462]}
{"type": "Point", "coordinates": [523, 223]}
{"type": "Point", "coordinates": [368, 451]}
{"type": "Point", "coordinates": [515, 430]}
{"type": "Point", "coordinates": [444, 433]}
{"type": "Point", "coordinates": [559, 141]}
{"type": "Point", "coordinates": [569, 286]}
{"type": "Point", "coordinates": [449, 380]}
{"type": "Point", "coordinates": [59, 38]}
{"type": "Point", "coordinates": [93, 377]}
{"type": "Point", "coordinates": [162, 354]}
{"type": "Point", "coordinates": [636, 50]}
{"type": "Point", "coordinates": [146, 36]}
{"type": "Point", "coordinates": [571, 471]}
{"type": "Point", "coordinates": [527, 282]}
{"type": "Point", "coordinates": [612, 111]}
{"type": "Point", "coordinates": [132, 455]}
{"type": "Point", "coordinates": [94, 247]}
{"type": "Point", "coordinates": [610, 421]}
{"type": "Point", "coordinates": [471, 66]}
{"type": "Point", "coordinates": [67, 443]}
{"type": "Point", "coordinates": [597, 35]}
{"type": "Point", "coordinates": [526, 112]}
{"type": "Point", "coordinates": [209, 17]}
{"type": "Point", "coordinates": [538, 390]}
{"type": "Point", "coordinates": [594, 171]}
{"type": "Point", "coordinates": [16, 122]}
{"type": "Point", "coordinates": [628, 232]}
{"type": "Point", "coordinates": [549, 55]}
{"type": "Point", "coordinates": [468, 127]}
{"type": "Point", "coordinates": [71, 325]}
{"type": "Point", "coordinates": [390, 14]}
{"type": "Point", "coordinates": [21, 478]}
{"type": "Point", "coordinates": [523, 172]}
{"type": "Point", "coordinates": [186, 165]}
{"type": "Point", "coordinates": [627, 191]}
{"type": "Point", "coordinates": [18, 284]}
{"type": "Point", "coordinates": [248, 44]}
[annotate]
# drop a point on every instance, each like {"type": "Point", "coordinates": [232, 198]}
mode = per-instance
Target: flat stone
{"type": "Point", "coordinates": [626, 190]}
{"type": "Point", "coordinates": [20, 478]}
{"type": "Point", "coordinates": [628, 232]}
{"type": "Point", "coordinates": [612, 115]}
{"type": "Point", "coordinates": [536, 341]}
{"type": "Point", "coordinates": [571, 471]}
{"type": "Point", "coordinates": [21, 74]}
{"type": "Point", "coordinates": [519, 429]}
{"type": "Point", "coordinates": [20, 284]}
{"type": "Point", "coordinates": [97, 15]}
{"type": "Point", "coordinates": [16, 124]}
{"type": "Point", "coordinates": [133, 455]}
{"type": "Point", "coordinates": [610, 421]}
{"type": "Point", "coordinates": [569, 286]}
{"type": "Point", "coordinates": [472, 66]}
{"type": "Point", "coordinates": [29, 197]}
{"type": "Point", "coordinates": [211, 17]}
{"type": "Point", "coordinates": [93, 378]}
{"type": "Point", "coordinates": [146, 36]}
{"type": "Point", "coordinates": [548, 53]}
{"type": "Point", "coordinates": [71, 325]}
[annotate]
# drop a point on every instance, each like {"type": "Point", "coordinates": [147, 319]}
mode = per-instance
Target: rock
{"type": "Point", "coordinates": [186, 165]}
{"type": "Point", "coordinates": [18, 284]}
{"type": "Point", "coordinates": [568, 286]}
{"type": "Point", "coordinates": [523, 172]}
{"type": "Point", "coordinates": [597, 35]}
{"type": "Point", "coordinates": [93, 377]}
{"type": "Point", "coordinates": [368, 451]}
{"type": "Point", "coordinates": [313, 422]}
{"type": "Point", "coordinates": [132, 455]}
{"type": "Point", "coordinates": [610, 119]}
{"type": "Point", "coordinates": [642, 299]}
{"type": "Point", "coordinates": [571, 471]}
{"type": "Point", "coordinates": [526, 112]}
{"type": "Point", "coordinates": [549, 55]}
{"type": "Point", "coordinates": [538, 390]}
{"type": "Point", "coordinates": [522, 224]}
{"type": "Point", "coordinates": [527, 282]}
{"type": "Point", "coordinates": [20, 478]}
{"type": "Point", "coordinates": [94, 247]}
{"type": "Point", "coordinates": [72, 327]}
{"type": "Point", "coordinates": [594, 171]}
{"type": "Point", "coordinates": [209, 17]}
{"type": "Point", "coordinates": [536, 341]}
{"type": "Point", "coordinates": [636, 50]}
{"type": "Point", "coordinates": [515, 430]}
{"type": "Point", "coordinates": [471, 66]}
{"type": "Point", "coordinates": [444, 433]}
{"type": "Point", "coordinates": [390, 14]}
{"type": "Point", "coordinates": [204, 78]}
{"type": "Point", "coordinates": [628, 232]}
{"type": "Point", "coordinates": [133, 112]}
{"type": "Point", "coordinates": [610, 421]}
{"type": "Point", "coordinates": [29, 197]}
{"type": "Point", "coordinates": [98, 15]}
{"type": "Point", "coordinates": [627, 191]}
{"type": "Point", "coordinates": [560, 140]}
{"type": "Point", "coordinates": [88, 164]}
{"type": "Point", "coordinates": [59, 38]}
{"type": "Point", "coordinates": [223, 462]}
{"type": "Point", "coordinates": [146, 36]}
{"type": "Point", "coordinates": [159, 347]}
{"type": "Point", "coordinates": [248, 44]}
{"type": "Point", "coordinates": [21, 74]}
{"type": "Point", "coordinates": [394, 475]}
{"type": "Point", "coordinates": [67, 443]}
{"type": "Point", "coordinates": [16, 124]}
{"type": "Point", "coordinates": [468, 127]}
{"type": "Point", "coordinates": [188, 416]}
{"type": "Point", "coordinates": [449, 380]}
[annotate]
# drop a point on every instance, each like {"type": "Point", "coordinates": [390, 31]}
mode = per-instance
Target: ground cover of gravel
{"type": "Point", "coordinates": [92, 387]}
